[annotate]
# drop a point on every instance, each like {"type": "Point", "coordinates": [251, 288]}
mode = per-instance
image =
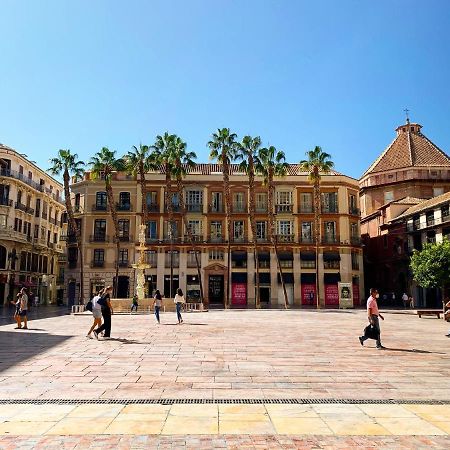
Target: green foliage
{"type": "Point", "coordinates": [66, 162]}
{"type": "Point", "coordinates": [318, 162]}
{"type": "Point", "coordinates": [431, 266]}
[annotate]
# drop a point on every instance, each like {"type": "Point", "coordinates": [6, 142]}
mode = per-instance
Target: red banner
{"type": "Point", "coordinates": [239, 294]}
{"type": "Point", "coordinates": [309, 294]}
{"type": "Point", "coordinates": [356, 299]}
{"type": "Point", "coordinates": [331, 295]}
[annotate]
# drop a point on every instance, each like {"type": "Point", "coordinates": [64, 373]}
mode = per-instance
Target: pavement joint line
{"type": "Point", "coordinates": [239, 401]}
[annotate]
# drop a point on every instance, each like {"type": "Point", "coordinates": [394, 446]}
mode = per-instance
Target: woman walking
{"type": "Point", "coordinates": [105, 303]}
{"type": "Point", "coordinates": [96, 313]}
{"type": "Point", "coordinates": [179, 301]}
{"type": "Point", "coordinates": [157, 303]}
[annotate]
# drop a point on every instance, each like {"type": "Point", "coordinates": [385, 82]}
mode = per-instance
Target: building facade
{"type": "Point", "coordinates": [31, 220]}
{"type": "Point", "coordinates": [410, 170]}
{"type": "Point", "coordinates": [173, 258]}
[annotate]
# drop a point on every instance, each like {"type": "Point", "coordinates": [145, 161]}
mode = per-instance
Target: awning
{"type": "Point", "coordinates": [308, 278]}
{"type": "Point", "coordinates": [264, 278]}
{"type": "Point", "coordinates": [287, 277]}
{"type": "Point", "coordinates": [238, 256]}
{"type": "Point", "coordinates": [331, 278]}
{"type": "Point", "coordinates": [308, 256]}
{"type": "Point", "coordinates": [285, 256]}
{"type": "Point", "coordinates": [263, 256]}
{"type": "Point", "coordinates": [331, 256]}
{"type": "Point", "coordinates": [239, 277]}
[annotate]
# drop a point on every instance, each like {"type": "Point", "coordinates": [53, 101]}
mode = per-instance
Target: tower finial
{"type": "Point", "coordinates": [407, 115]}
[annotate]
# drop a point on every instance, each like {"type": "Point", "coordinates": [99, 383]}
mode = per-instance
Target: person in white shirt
{"type": "Point", "coordinates": [97, 313]}
{"type": "Point", "coordinates": [179, 301]}
{"type": "Point", "coordinates": [405, 299]}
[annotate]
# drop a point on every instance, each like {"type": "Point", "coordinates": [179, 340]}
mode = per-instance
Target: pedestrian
{"type": "Point", "coordinates": [405, 299]}
{"type": "Point", "coordinates": [411, 302]}
{"type": "Point", "coordinates": [447, 312]}
{"type": "Point", "coordinates": [179, 301]}
{"type": "Point", "coordinates": [157, 303]}
{"type": "Point", "coordinates": [105, 302]}
{"type": "Point", "coordinates": [373, 314]}
{"type": "Point", "coordinates": [96, 313]}
{"type": "Point", "coordinates": [134, 303]}
{"type": "Point", "coordinates": [17, 310]}
{"type": "Point", "coordinates": [23, 309]}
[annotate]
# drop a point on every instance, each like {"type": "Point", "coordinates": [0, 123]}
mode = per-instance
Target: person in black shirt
{"type": "Point", "coordinates": [105, 303]}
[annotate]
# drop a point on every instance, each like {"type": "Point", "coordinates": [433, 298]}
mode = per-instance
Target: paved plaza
{"type": "Point", "coordinates": [267, 379]}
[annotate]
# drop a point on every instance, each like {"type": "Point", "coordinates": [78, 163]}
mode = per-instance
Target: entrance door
{"type": "Point", "coordinates": [123, 287]}
{"type": "Point", "coordinates": [216, 291]}
{"type": "Point", "coordinates": [264, 295]}
{"type": "Point", "coordinates": [71, 293]}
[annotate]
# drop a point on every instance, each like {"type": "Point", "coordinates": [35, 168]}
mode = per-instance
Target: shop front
{"type": "Point", "coordinates": [239, 289]}
{"type": "Point", "coordinates": [264, 288]}
{"type": "Point", "coordinates": [150, 285]}
{"type": "Point", "coordinates": [356, 297]}
{"type": "Point", "coordinates": [308, 289]}
{"type": "Point", "coordinates": [288, 278]}
{"type": "Point", "coordinates": [192, 289]}
{"type": "Point", "coordinates": [331, 281]}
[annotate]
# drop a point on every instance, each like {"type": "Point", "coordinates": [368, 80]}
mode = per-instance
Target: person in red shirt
{"type": "Point", "coordinates": [373, 314]}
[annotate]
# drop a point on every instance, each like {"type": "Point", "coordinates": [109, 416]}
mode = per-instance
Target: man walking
{"type": "Point", "coordinates": [373, 314]}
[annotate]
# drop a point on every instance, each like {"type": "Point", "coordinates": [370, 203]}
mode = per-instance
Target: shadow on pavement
{"type": "Point", "coordinates": [413, 350]}
{"type": "Point", "coordinates": [19, 345]}
{"type": "Point", "coordinates": [34, 313]}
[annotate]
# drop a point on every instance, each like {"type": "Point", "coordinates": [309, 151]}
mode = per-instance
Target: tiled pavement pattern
{"type": "Point", "coordinates": [227, 355]}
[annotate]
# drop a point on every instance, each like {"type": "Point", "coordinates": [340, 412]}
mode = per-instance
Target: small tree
{"type": "Point", "coordinates": [431, 266]}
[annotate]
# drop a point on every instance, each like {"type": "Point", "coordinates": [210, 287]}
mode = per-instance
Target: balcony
{"type": "Point", "coordinates": [353, 211]}
{"type": "Point", "coordinates": [194, 207]}
{"type": "Point", "coordinates": [20, 176]}
{"type": "Point", "coordinates": [5, 202]}
{"type": "Point", "coordinates": [330, 209]}
{"type": "Point", "coordinates": [124, 207]}
{"type": "Point", "coordinates": [355, 240]}
{"type": "Point", "coordinates": [195, 238]}
{"type": "Point", "coordinates": [100, 207]}
{"type": "Point", "coordinates": [261, 209]}
{"type": "Point", "coordinates": [239, 239]}
{"type": "Point", "coordinates": [77, 209]}
{"type": "Point", "coordinates": [153, 207]}
{"type": "Point", "coordinates": [305, 209]}
{"type": "Point", "coordinates": [151, 240]}
{"type": "Point", "coordinates": [124, 263]}
{"type": "Point", "coordinates": [69, 238]}
{"type": "Point", "coordinates": [216, 239]}
{"type": "Point", "coordinates": [98, 263]}
{"type": "Point", "coordinates": [284, 208]}
{"type": "Point", "coordinates": [44, 215]}
{"type": "Point", "coordinates": [52, 220]}
{"type": "Point", "coordinates": [239, 208]}
{"type": "Point", "coordinates": [430, 221]}
{"type": "Point", "coordinates": [98, 238]}
{"type": "Point", "coordinates": [262, 239]}
{"type": "Point", "coordinates": [307, 239]}
{"type": "Point", "coordinates": [216, 209]}
{"type": "Point", "coordinates": [285, 238]}
{"type": "Point", "coordinates": [126, 238]}
{"type": "Point", "coordinates": [330, 239]}
{"type": "Point", "coordinates": [26, 209]}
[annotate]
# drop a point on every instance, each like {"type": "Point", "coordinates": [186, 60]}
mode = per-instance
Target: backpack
{"type": "Point", "coordinates": [88, 306]}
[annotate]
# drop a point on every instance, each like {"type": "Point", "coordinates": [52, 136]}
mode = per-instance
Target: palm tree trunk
{"type": "Point", "coordinates": [73, 226]}
{"type": "Point", "coordinates": [189, 233]}
{"type": "Point", "coordinates": [273, 237]}
{"type": "Point", "coordinates": [317, 234]}
{"type": "Point", "coordinates": [226, 186]}
{"type": "Point", "coordinates": [168, 202]}
{"type": "Point", "coordinates": [251, 186]}
{"type": "Point", "coordinates": [144, 195]}
{"type": "Point", "coordinates": [112, 206]}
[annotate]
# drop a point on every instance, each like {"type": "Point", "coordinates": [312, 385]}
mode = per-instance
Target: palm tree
{"type": "Point", "coordinates": [183, 160]}
{"type": "Point", "coordinates": [223, 147]}
{"type": "Point", "coordinates": [103, 164]}
{"type": "Point", "coordinates": [162, 155]}
{"type": "Point", "coordinates": [68, 164]}
{"type": "Point", "coordinates": [317, 164]}
{"type": "Point", "coordinates": [273, 164]}
{"type": "Point", "coordinates": [138, 162]}
{"type": "Point", "coordinates": [248, 153]}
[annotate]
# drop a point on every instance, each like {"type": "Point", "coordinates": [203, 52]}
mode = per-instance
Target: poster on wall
{"type": "Point", "coordinates": [331, 295]}
{"type": "Point", "coordinates": [356, 298]}
{"type": "Point", "coordinates": [308, 294]}
{"type": "Point", "coordinates": [345, 295]}
{"type": "Point", "coordinates": [239, 294]}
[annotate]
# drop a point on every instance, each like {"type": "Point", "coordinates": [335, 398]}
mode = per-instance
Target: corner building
{"type": "Point", "coordinates": [31, 220]}
{"type": "Point", "coordinates": [340, 254]}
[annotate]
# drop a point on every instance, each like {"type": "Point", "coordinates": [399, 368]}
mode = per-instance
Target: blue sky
{"type": "Point", "coordinates": [87, 74]}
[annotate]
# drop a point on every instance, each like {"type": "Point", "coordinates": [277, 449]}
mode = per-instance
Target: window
{"type": "Point", "coordinates": [355, 261]}
{"type": "Point", "coordinates": [330, 232]}
{"type": "Point", "coordinates": [238, 202]}
{"type": "Point", "coordinates": [18, 225]}
{"type": "Point", "coordinates": [194, 200]}
{"type": "Point", "coordinates": [100, 229]}
{"type": "Point", "coordinates": [191, 261]}
{"type": "Point", "coordinates": [123, 257]}
{"type": "Point", "coordinates": [261, 230]}
{"type": "Point", "coordinates": [238, 230]}
{"type": "Point", "coordinates": [3, 220]}
{"type": "Point", "coordinates": [21, 170]}
{"type": "Point", "coordinates": [438, 191]}
{"type": "Point", "coordinates": [151, 257]}
{"type": "Point", "coordinates": [99, 257]}
{"type": "Point", "coordinates": [306, 202]}
{"type": "Point", "coordinates": [101, 201]}
{"type": "Point", "coordinates": [30, 175]}
{"type": "Point", "coordinates": [216, 231]}
{"type": "Point", "coordinates": [151, 230]}
{"type": "Point", "coordinates": [175, 201]}
{"type": "Point", "coordinates": [55, 238]}
{"type": "Point", "coordinates": [19, 196]}
{"type": "Point", "coordinates": [388, 196]}
{"type": "Point", "coordinates": [195, 227]}
{"type": "Point", "coordinates": [124, 201]}
{"type": "Point", "coordinates": [285, 230]}
{"type": "Point", "coordinates": [216, 255]}
{"type": "Point", "coordinates": [445, 212]}
{"type": "Point", "coordinates": [43, 232]}
{"type": "Point", "coordinates": [124, 229]}
{"type": "Point", "coordinates": [216, 202]}
{"type": "Point", "coordinates": [170, 231]}
{"type": "Point", "coordinates": [152, 201]}
{"type": "Point", "coordinates": [261, 202]}
{"type": "Point", "coordinates": [329, 202]}
{"type": "Point", "coordinates": [172, 259]}
{"type": "Point", "coordinates": [284, 201]}
{"type": "Point", "coordinates": [307, 236]}
{"type": "Point", "coordinates": [352, 204]}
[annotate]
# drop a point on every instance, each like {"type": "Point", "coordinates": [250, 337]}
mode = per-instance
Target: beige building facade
{"type": "Point", "coordinates": [31, 219]}
{"type": "Point", "coordinates": [173, 257]}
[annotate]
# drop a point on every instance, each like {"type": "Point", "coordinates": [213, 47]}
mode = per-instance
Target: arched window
{"type": "Point", "coordinates": [2, 257]}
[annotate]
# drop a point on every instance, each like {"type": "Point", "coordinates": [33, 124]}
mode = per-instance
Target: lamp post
{"type": "Point", "coordinates": [12, 258]}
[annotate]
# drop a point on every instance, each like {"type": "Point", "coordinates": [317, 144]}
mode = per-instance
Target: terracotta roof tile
{"type": "Point", "coordinates": [408, 149]}
{"type": "Point", "coordinates": [426, 204]}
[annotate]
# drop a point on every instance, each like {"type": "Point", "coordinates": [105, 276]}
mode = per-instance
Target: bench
{"type": "Point", "coordinates": [429, 312]}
